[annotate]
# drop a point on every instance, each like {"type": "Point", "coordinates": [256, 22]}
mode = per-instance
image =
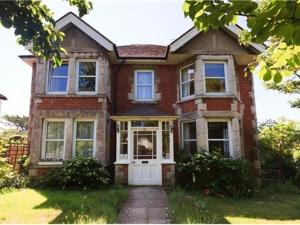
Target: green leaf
{"type": "Point", "coordinates": [277, 78]}
{"type": "Point", "coordinates": [267, 76]}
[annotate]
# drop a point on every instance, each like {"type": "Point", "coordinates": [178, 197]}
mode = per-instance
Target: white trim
{"type": "Point", "coordinates": [48, 67]}
{"type": "Point", "coordinates": [77, 77]}
{"type": "Point", "coordinates": [136, 86]}
{"type": "Point", "coordinates": [225, 63]}
{"type": "Point", "coordinates": [180, 82]}
{"type": "Point", "coordinates": [45, 122]}
{"type": "Point", "coordinates": [228, 121]}
{"type": "Point", "coordinates": [50, 163]}
{"type": "Point", "coordinates": [194, 31]}
{"type": "Point", "coordinates": [97, 37]}
{"type": "Point", "coordinates": [75, 133]}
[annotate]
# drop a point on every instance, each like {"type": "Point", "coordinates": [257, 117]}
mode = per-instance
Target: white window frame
{"type": "Point", "coordinates": [228, 121]}
{"type": "Point", "coordinates": [190, 80]}
{"type": "Point", "coordinates": [43, 153]}
{"type": "Point", "coordinates": [49, 66]}
{"type": "Point", "coordinates": [77, 77]}
{"type": "Point", "coordinates": [182, 136]}
{"type": "Point", "coordinates": [136, 85]}
{"type": "Point", "coordinates": [75, 134]}
{"type": "Point", "coordinates": [225, 63]}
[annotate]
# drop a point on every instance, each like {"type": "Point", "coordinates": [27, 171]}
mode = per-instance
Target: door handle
{"type": "Point", "coordinates": [145, 162]}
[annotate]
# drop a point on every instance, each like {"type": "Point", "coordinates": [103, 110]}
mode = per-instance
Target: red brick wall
{"type": "Point", "coordinates": [215, 104]}
{"type": "Point", "coordinates": [71, 103]}
{"type": "Point", "coordinates": [188, 106]}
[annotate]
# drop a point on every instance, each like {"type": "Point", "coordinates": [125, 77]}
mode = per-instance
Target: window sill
{"type": "Point", "coordinates": [121, 162]}
{"type": "Point", "coordinates": [168, 162]}
{"type": "Point", "coordinates": [50, 163]}
{"type": "Point", "coordinates": [144, 102]}
{"type": "Point", "coordinates": [48, 95]}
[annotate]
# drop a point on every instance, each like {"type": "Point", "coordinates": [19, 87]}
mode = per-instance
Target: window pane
{"type": "Point", "coordinates": [55, 130]}
{"type": "Point", "coordinates": [123, 144]}
{"type": "Point", "coordinates": [84, 148]}
{"type": "Point", "coordinates": [215, 85]}
{"type": "Point", "coordinates": [85, 130]}
{"type": "Point", "coordinates": [166, 144]}
{"type": "Point", "coordinates": [144, 92]}
{"type": "Point", "coordinates": [187, 73]}
{"type": "Point", "coordinates": [87, 84]}
{"type": "Point", "coordinates": [219, 147]}
{"type": "Point", "coordinates": [87, 68]}
{"type": "Point", "coordinates": [144, 78]}
{"type": "Point", "coordinates": [217, 130]}
{"type": "Point", "coordinates": [58, 84]}
{"type": "Point", "coordinates": [188, 89]}
{"type": "Point", "coordinates": [189, 130]}
{"type": "Point", "coordinates": [214, 70]}
{"type": "Point", "coordinates": [146, 123]}
{"type": "Point", "coordinates": [61, 71]}
{"type": "Point", "coordinates": [190, 146]}
{"type": "Point", "coordinates": [54, 150]}
{"type": "Point", "coordinates": [144, 145]}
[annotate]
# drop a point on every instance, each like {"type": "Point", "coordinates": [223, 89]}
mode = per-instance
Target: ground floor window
{"type": "Point", "coordinates": [54, 140]}
{"type": "Point", "coordinates": [123, 140]}
{"type": "Point", "coordinates": [218, 138]}
{"type": "Point", "coordinates": [189, 136]}
{"type": "Point", "coordinates": [166, 140]}
{"type": "Point", "coordinates": [84, 138]}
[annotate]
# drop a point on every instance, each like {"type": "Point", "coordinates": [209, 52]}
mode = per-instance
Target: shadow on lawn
{"type": "Point", "coordinates": [84, 206]}
{"type": "Point", "coordinates": [196, 208]}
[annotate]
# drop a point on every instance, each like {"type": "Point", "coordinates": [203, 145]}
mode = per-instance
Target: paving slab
{"type": "Point", "coordinates": [145, 205]}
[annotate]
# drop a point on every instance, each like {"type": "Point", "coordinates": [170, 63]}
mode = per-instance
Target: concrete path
{"type": "Point", "coordinates": [145, 205]}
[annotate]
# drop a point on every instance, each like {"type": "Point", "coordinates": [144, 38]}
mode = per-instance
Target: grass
{"type": "Point", "coordinates": [46, 206]}
{"type": "Point", "coordinates": [264, 207]}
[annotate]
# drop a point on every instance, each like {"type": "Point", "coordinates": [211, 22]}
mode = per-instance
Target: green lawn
{"type": "Point", "coordinates": [193, 207]}
{"type": "Point", "coordinates": [45, 206]}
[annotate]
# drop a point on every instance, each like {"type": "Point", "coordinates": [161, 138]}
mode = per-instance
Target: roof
{"type": "Point", "coordinates": [143, 51]}
{"type": "Point", "coordinates": [144, 111]}
{"type": "Point", "coordinates": [3, 97]}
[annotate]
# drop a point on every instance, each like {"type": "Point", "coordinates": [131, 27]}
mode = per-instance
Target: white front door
{"type": "Point", "coordinates": [145, 166]}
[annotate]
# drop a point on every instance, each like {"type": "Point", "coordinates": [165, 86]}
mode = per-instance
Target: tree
{"type": "Point", "coordinates": [19, 122]}
{"type": "Point", "coordinates": [277, 22]}
{"type": "Point", "coordinates": [34, 24]}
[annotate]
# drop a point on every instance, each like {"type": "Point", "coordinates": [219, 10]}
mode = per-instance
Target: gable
{"type": "Point", "coordinates": [213, 42]}
{"type": "Point", "coordinates": [76, 40]}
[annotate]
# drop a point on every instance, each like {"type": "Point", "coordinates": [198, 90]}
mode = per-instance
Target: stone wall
{"type": "Point", "coordinates": [121, 174]}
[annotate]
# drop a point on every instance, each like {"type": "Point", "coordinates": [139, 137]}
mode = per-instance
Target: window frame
{"type": "Point", "coordinates": [182, 136]}
{"type": "Point", "coordinates": [181, 83]}
{"type": "Point", "coordinates": [136, 86]}
{"type": "Point", "coordinates": [75, 133]}
{"type": "Point", "coordinates": [44, 139]}
{"type": "Point", "coordinates": [49, 66]}
{"type": "Point", "coordinates": [228, 121]}
{"type": "Point", "coordinates": [78, 61]}
{"type": "Point", "coordinates": [225, 63]}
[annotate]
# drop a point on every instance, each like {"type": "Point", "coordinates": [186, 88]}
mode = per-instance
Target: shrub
{"type": "Point", "coordinates": [218, 175]}
{"type": "Point", "coordinates": [77, 173]}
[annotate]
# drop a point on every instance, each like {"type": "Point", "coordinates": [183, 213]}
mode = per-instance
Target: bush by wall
{"type": "Point", "coordinates": [77, 173]}
{"type": "Point", "coordinates": [218, 175]}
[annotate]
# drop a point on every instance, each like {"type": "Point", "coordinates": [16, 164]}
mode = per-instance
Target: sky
{"type": "Point", "coordinates": [123, 22]}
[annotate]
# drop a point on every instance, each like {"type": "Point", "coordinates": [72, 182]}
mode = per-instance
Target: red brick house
{"type": "Point", "coordinates": [136, 106]}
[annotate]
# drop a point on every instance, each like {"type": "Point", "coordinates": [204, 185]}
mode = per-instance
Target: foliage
{"type": "Point", "coordinates": [279, 143]}
{"type": "Point", "coordinates": [9, 178]}
{"type": "Point", "coordinates": [77, 173]}
{"type": "Point", "coordinates": [43, 206]}
{"type": "Point", "coordinates": [221, 176]}
{"type": "Point", "coordinates": [274, 21]}
{"type": "Point", "coordinates": [34, 24]}
{"type": "Point", "coordinates": [19, 122]}
{"type": "Point", "coordinates": [187, 207]}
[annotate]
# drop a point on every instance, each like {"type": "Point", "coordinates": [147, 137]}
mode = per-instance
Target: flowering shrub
{"type": "Point", "coordinates": [217, 175]}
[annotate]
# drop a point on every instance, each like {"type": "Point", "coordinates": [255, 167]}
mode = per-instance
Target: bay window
{"type": "Point", "coordinates": [189, 136]}
{"type": "Point", "coordinates": [215, 76]}
{"type": "Point", "coordinates": [86, 76]}
{"type": "Point", "coordinates": [84, 138]}
{"type": "Point", "coordinates": [144, 85]}
{"type": "Point", "coordinates": [187, 85]}
{"type": "Point", "coordinates": [54, 141]}
{"type": "Point", "coordinates": [58, 78]}
{"type": "Point", "coordinates": [218, 138]}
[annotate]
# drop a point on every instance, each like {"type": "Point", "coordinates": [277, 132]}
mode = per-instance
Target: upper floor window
{"type": "Point", "coordinates": [58, 78]}
{"type": "Point", "coordinates": [187, 86]}
{"type": "Point", "coordinates": [215, 77]}
{"type": "Point", "coordinates": [54, 140]}
{"type": "Point", "coordinates": [189, 136]}
{"type": "Point", "coordinates": [84, 138]}
{"type": "Point", "coordinates": [144, 85]}
{"type": "Point", "coordinates": [86, 76]}
{"type": "Point", "coordinates": [218, 138]}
